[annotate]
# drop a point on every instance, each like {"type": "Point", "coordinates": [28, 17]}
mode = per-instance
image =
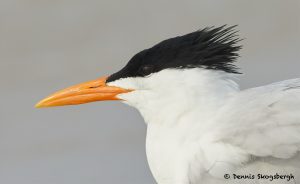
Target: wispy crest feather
{"type": "Point", "coordinates": [210, 48]}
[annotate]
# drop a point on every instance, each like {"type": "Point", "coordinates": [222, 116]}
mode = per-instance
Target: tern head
{"type": "Point", "coordinates": [168, 69]}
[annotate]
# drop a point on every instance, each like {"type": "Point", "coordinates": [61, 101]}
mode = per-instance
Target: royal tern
{"type": "Point", "coordinates": [201, 128]}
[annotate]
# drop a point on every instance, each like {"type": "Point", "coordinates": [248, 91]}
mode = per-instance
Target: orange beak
{"type": "Point", "coordinates": [95, 90]}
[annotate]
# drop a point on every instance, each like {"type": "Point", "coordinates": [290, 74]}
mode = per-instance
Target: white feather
{"type": "Point", "coordinates": [201, 126]}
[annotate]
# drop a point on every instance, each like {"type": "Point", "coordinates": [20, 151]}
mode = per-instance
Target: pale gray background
{"type": "Point", "coordinates": [47, 45]}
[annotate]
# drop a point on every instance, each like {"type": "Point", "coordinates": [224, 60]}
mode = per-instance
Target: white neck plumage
{"type": "Point", "coordinates": [165, 96]}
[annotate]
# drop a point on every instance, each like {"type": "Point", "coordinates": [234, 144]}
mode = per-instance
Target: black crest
{"type": "Point", "coordinates": [210, 48]}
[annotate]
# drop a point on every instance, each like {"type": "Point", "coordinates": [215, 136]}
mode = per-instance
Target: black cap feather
{"type": "Point", "coordinates": [210, 48]}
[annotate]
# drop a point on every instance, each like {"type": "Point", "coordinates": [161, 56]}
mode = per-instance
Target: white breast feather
{"type": "Point", "coordinates": [200, 126]}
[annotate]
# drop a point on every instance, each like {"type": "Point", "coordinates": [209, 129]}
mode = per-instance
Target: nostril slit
{"type": "Point", "coordinates": [94, 87]}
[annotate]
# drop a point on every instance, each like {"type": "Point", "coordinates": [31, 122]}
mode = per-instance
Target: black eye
{"type": "Point", "coordinates": [145, 70]}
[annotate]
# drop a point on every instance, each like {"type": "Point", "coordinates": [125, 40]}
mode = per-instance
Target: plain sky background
{"type": "Point", "coordinates": [46, 45]}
